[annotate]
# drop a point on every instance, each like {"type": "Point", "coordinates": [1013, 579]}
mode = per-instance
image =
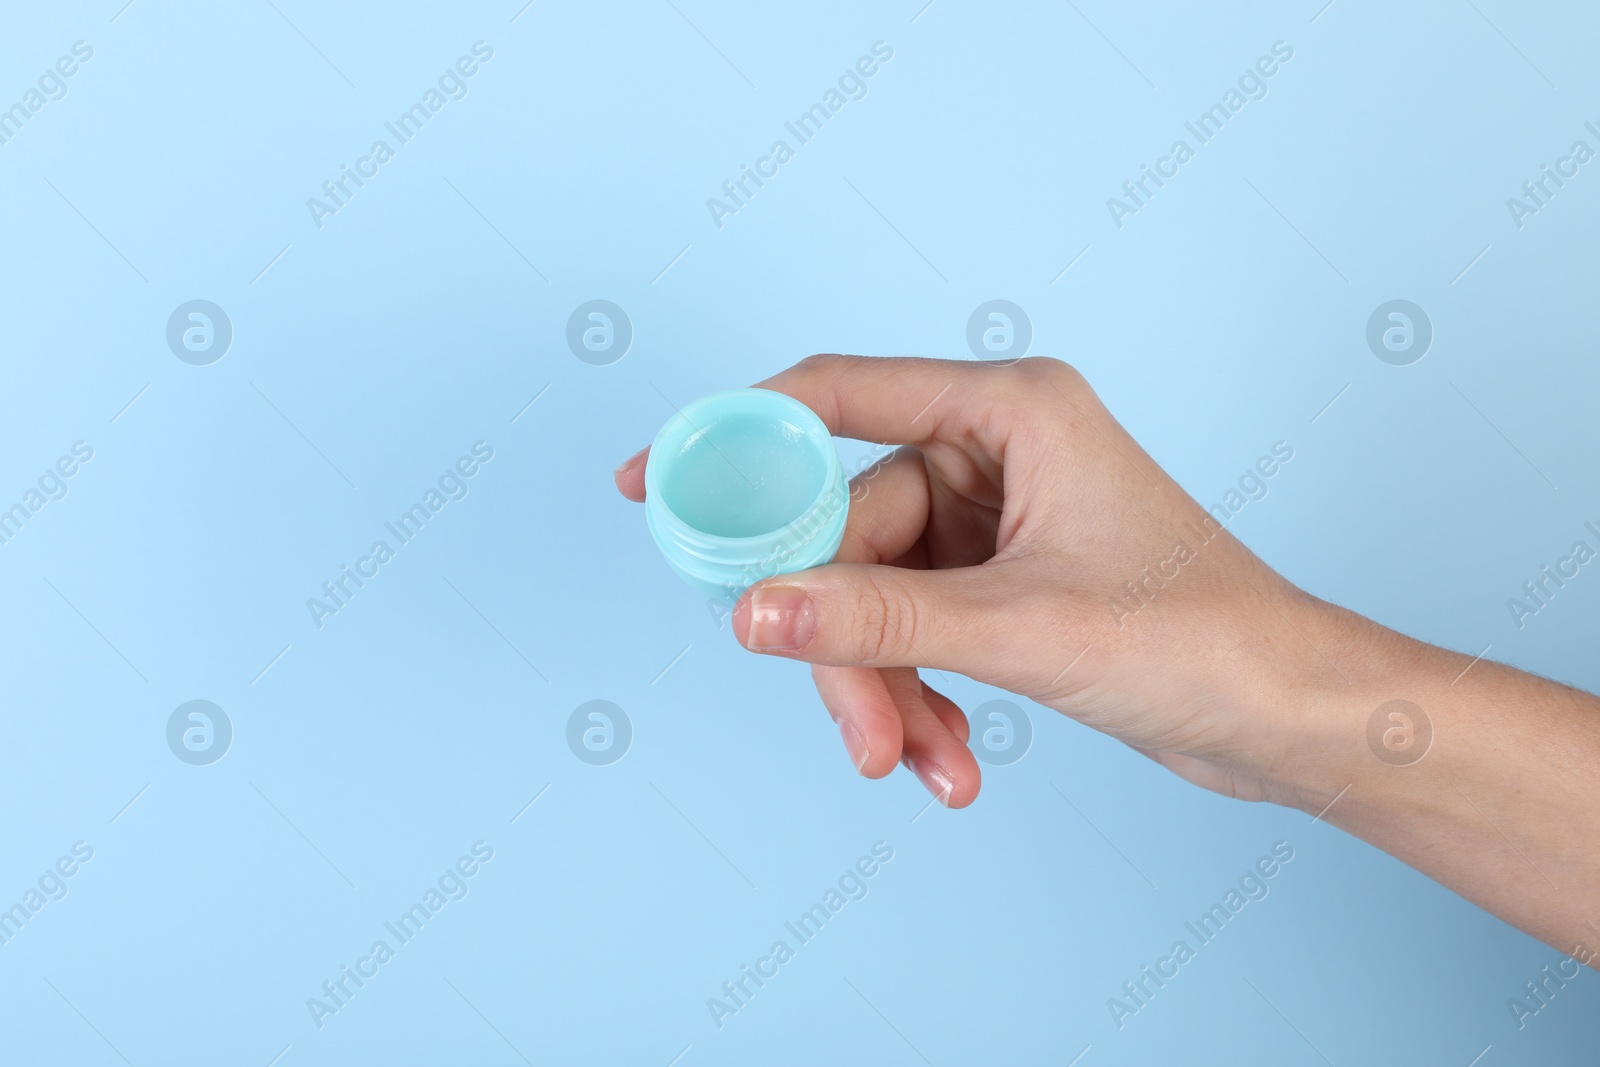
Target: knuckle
{"type": "Point", "coordinates": [856, 546]}
{"type": "Point", "coordinates": [1056, 372]}
{"type": "Point", "coordinates": [820, 361]}
{"type": "Point", "coordinates": [887, 620]}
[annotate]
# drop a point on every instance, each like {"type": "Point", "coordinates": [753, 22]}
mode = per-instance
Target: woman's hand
{"type": "Point", "coordinates": [1019, 536]}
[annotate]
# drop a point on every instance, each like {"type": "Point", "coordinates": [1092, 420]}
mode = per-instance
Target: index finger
{"type": "Point", "coordinates": [898, 400]}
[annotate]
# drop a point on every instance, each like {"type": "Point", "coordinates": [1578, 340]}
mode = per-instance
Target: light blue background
{"type": "Point", "coordinates": [423, 317]}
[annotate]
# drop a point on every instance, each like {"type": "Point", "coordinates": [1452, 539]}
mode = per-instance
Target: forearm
{"type": "Point", "coordinates": [1502, 805]}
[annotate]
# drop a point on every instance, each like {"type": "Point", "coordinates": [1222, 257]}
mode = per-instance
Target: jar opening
{"type": "Point", "coordinates": [743, 475]}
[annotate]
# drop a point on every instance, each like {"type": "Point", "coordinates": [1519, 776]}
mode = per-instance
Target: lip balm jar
{"type": "Point", "coordinates": [744, 485]}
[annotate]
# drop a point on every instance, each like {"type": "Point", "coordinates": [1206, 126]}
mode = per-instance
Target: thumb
{"type": "Point", "coordinates": [867, 615]}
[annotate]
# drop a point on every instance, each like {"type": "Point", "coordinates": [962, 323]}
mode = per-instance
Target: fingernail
{"type": "Point", "coordinates": [934, 778]}
{"type": "Point", "coordinates": [781, 619]}
{"type": "Point", "coordinates": [855, 744]}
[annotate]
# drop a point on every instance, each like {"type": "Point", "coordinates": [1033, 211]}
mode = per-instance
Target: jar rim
{"type": "Point", "coordinates": [767, 403]}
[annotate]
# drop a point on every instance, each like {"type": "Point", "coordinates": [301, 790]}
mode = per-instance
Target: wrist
{"type": "Point", "coordinates": [1353, 708]}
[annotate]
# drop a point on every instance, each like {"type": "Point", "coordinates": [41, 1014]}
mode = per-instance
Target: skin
{"type": "Point", "coordinates": [999, 540]}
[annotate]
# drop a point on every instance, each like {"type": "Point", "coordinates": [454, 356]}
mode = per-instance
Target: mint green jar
{"type": "Point", "coordinates": [744, 485]}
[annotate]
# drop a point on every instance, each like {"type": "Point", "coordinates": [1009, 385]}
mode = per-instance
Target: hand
{"type": "Point", "coordinates": [1019, 536]}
